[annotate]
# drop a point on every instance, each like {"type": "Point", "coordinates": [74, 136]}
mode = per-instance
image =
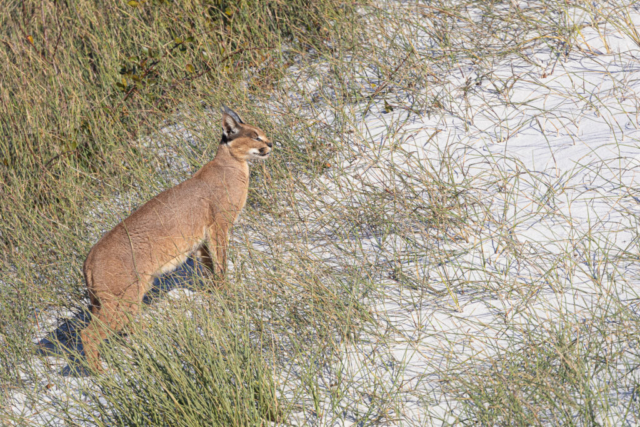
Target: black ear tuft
{"type": "Point", "coordinates": [230, 112]}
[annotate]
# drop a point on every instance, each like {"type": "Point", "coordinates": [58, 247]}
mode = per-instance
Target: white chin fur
{"type": "Point", "coordinates": [254, 153]}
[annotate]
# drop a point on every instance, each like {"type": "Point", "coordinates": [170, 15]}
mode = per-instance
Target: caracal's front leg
{"type": "Point", "coordinates": [205, 256]}
{"type": "Point", "coordinates": [219, 235]}
{"type": "Point", "coordinates": [213, 253]}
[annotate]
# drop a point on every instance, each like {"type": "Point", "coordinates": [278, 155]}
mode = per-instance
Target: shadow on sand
{"type": "Point", "coordinates": [64, 341]}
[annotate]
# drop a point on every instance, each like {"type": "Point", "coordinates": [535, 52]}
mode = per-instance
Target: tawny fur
{"type": "Point", "coordinates": [192, 217]}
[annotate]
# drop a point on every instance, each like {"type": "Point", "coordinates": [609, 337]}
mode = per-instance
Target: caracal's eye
{"type": "Point", "coordinates": [257, 138]}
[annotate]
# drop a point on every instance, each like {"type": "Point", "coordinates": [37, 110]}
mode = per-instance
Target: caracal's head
{"type": "Point", "coordinates": [245, 142]}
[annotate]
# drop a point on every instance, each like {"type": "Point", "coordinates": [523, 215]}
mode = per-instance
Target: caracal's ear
{"type": "Point", "coordinates": [230, 121]}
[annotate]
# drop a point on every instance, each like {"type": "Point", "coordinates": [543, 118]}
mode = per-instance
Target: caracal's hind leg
{"type": "Point", "coordinates": [113, 315]}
